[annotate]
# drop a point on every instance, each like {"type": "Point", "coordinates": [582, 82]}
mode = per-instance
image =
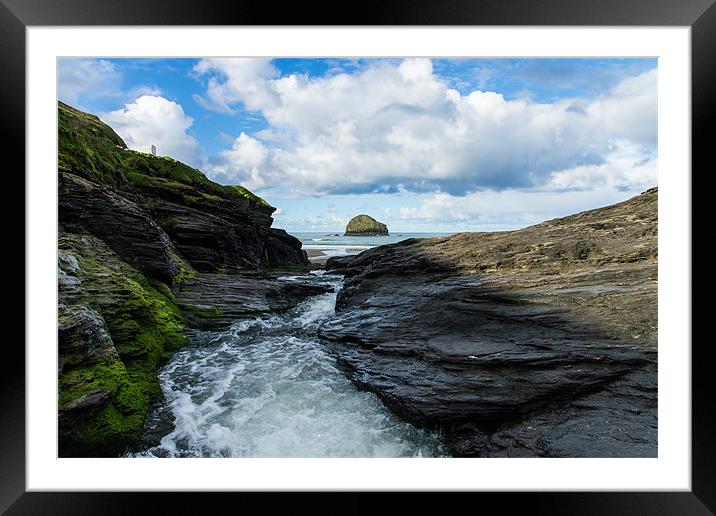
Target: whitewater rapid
{"type": "Point", "coordinates": [268, 387]}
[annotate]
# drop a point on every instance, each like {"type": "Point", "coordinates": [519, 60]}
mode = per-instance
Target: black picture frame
{"type": "Point", "coordinates": [17, 15]}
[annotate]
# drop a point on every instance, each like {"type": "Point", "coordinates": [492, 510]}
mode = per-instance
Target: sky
{"type": "Point", "coordinates": [423, 145]}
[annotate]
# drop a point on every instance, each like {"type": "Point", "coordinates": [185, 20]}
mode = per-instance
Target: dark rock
{"type": "Point", "coordinates": [113, 330]}
{"type": "Point", "coordinates": [215, 301]}
{"type": "Point", "coordinates": [82, 336]}
{"type": "Point", "coordinates": [148, 207]}
{"type": "Point", "coordinates": [617, 421]}
{"type": "Point", "coordinates": [85, 205]}
{"type": "Point", "coordinates": [283, 249]}
{"type": "Point", "coordinates": [509, 347]}
{"type": "Point", "coordinates": [217, 235]}
{"type": "Point", "coordinates": [339, 262]}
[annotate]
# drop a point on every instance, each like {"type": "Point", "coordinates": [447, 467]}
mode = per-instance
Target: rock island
{"type": "Point", "coordinates": [363, 225]}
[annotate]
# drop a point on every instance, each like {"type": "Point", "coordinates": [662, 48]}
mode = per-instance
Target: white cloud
{"type": "Point", "coordinates": [442, 207]}
{"type": "Point", "coordinates": [246, 81]}
{"type": "Point", "coordinates": [398, 125]}
{"type": "Point", "coordinates": [81, 80]}
{"type": "Point", "coordinates": [506, 209]}
{"type": "Point", "coordinates": [153, 120]}
{"type": "Point", "coordinates": [242, 163]}
{"type": "Point", "coordinates": [323, 219]}
{"type": "Point", "coordinates": [335, 219]}
{"type": "Point", "coordinates": [139, 91]}
{"type": "Point", "coordinates": [77, 77]}
{"type": "Point", "coordinates": [626, 167]}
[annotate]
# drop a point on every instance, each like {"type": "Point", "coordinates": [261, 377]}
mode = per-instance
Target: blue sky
{"type": "Point", "coordinates": [420, 144]}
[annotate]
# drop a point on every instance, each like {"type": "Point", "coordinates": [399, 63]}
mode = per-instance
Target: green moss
{"type": "Point", "coordinates": [106, 434]}
{"type": "Point", "coordinates": [212, 198]}
{"type": "Point", "coordinates": [91, 148]}
{"type": "Point", "coordinates": [106, 377]}
{"type": "Point", "coordinates": [205, 313]}
{"type": "Point", "coordinates": [109, 429]}
{"type": "Point", "coordinates": [87, 145]}
{"type": "Point", "coordinates": [144, 323]}
{"type": "Point", "coordinates": [243, 192]}
{"type": "Point", "coordinates": [169, 224]}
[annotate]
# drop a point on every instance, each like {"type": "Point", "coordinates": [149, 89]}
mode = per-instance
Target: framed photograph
{"type": "Point", "coordinates": [423, 249]}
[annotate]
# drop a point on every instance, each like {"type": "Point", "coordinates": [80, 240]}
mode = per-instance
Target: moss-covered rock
{"type": "Point", "coordinates": [364, 225]}
{"type": "Point", "coordinates": [115, 327]}
{"type": "Point", "coordinates": [134, 229]}
{"type": "Point", "coordinates": [89, 147]}
{"type": "Point", "coordinates": [120, 195]}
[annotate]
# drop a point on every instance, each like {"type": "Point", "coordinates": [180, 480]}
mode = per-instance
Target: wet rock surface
{"type": "Point", "coordinates": [83, 336]}
{"type": "Point", "coordinates": [215, 301]}
{"type": "Point", "coordinates": [538, 342]}
{"type": "Point", "coordinates": [338, 262]}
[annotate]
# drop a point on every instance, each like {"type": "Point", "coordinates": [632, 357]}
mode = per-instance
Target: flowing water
{"type": "Point", "coordinates": [269, 388]}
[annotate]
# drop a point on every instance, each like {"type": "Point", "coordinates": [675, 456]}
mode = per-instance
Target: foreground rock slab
{"type": "Point", "coordinates": [539, 342]}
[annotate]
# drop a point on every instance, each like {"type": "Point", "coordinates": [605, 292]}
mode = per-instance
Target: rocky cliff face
{"type": "Point", "coordinates": [538, 342]}
{"type": "Point", "coordinates": [118, 195]}
{"type": "Point", "coordinates": [134, 230]}
{"type": "Point", "coordinates": [363, 225]}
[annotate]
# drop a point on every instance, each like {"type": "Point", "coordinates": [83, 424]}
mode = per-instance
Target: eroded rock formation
{"type": "Point", "coordinates": [134, 230]}
{"type": "Point", "coordinates": [537, 342]}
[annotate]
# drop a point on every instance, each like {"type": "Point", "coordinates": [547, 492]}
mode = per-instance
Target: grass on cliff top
{"type": "Point", "coordinates": [89, 147]}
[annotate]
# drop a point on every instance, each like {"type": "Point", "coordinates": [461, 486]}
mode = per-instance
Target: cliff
{"type": "Point", "coordinates": [139, 235]}
{"type": "Point", "coordinates": [537, 342]}
{"type": "Point", "coordinates": [148, 208]}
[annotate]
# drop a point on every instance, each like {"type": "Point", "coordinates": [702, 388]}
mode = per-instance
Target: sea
{"type": "Point", "coordinates": [335, 244]}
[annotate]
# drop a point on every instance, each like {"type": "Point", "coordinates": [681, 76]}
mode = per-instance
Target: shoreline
{"type": "Point", "coordinates": [316, 256]}
{"type": "Point", "coordinates": [320, 256]}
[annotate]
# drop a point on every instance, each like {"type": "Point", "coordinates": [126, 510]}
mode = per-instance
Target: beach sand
{"type": "Point", "coordinates": [319, 256]}
{"type": "Point", "coordinates": [316, 256]}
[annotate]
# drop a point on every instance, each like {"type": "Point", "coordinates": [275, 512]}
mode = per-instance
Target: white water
{"type": "Point", "coordinates": [269, 388]}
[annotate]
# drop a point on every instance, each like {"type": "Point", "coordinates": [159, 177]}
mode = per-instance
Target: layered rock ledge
{"type": "Point", "coordinates": [537, 342]}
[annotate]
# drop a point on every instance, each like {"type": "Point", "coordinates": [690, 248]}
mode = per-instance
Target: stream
{"type": "Point", "coordinates": [268, 387]}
